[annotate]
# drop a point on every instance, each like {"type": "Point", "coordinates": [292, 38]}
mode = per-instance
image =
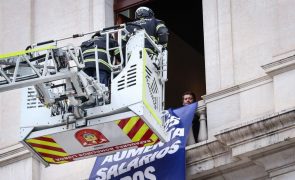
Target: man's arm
{"type": "Point", "coordinates": [162, 33]}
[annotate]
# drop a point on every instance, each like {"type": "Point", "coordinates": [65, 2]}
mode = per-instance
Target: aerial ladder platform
{"type": "Point", "coordinates": [62, 126]}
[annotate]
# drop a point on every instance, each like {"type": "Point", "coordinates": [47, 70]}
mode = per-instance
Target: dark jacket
{"type": "Point", "coordinates": [154, 28]}
{"type": "Point", "coordinates": [88, 50]}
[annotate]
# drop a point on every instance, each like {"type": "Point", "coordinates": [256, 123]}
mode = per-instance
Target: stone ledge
{"type": "Point", "coordinates": [266, 143]}
{"type": "Point", "coordinates": [283, 64]}
{"type": "Point", "coordinates": [282, 170]}
{"type": "Point", "coordinates": [258, 127]}
{"type": "Point", "coordinates": [243, 144]}
{"type": "Point", "coordinates": [237, 89]}
{"type": "Point", "coordinates": [203, 158]}
{"type": "Point", "coordinates": [13, 154]}
{"type": "Point", "coordinates": [276, 159]}
{"type": "Point", "coordinates": [204, 150]}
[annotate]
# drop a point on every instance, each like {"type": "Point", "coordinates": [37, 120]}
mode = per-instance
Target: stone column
{"type": "Point", "coordinates": [203, 132]}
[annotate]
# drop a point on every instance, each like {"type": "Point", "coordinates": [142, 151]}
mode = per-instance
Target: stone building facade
{"type": "Point", "coordinates": [250, 101]}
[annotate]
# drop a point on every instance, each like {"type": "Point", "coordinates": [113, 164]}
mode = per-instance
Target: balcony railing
{"type": "Point", "coordinates": [203, 132]}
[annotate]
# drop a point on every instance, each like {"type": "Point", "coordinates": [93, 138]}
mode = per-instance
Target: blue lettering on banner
{"type": "Point", "coordinates": [162, 161]}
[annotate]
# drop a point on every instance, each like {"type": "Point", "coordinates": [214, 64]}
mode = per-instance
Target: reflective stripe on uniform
{"type": "Point", "coordinates": [154, 39]}
{"type": "Point", "coordinates": [124, 37]}
{"type": "Point", "coordinates": [159, 26]}
{"type": "Point", "coordinates": [117, 51]}
{"type": "Point", "coordinates": [93, 50]}
{"type": "Point", "coordinates": [100, 61]}
{"type": "Point", "coordinates": [149, 50]}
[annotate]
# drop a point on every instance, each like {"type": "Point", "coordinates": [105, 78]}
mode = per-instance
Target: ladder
{"type": "Point", "coordinates": [129, 115]}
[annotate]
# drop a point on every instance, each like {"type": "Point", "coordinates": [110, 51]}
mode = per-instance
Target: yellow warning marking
{"type": "Point", "coordinates": [127, 128]}
{"type": "Point", "coordinates": [140, 133]}
{"type": "Point", "coordinates": [51, 160]}
{"type": "Point", "coordinates": [41, 150]}
{"type": "Point", "coordinates": [154, 138]}
{"type": "Point", "coordinates": [118, 121]}
{"type": "Point", "coordinates": [43, 143]}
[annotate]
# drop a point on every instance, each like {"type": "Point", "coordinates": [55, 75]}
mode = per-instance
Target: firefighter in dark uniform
{"type": "Point", "coordinates": [88, 50]}
{"type": "Point", "coordinates": [155, 28]}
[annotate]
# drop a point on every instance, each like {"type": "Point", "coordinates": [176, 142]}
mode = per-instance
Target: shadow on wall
{"type": "Point", "coordinates": [186, 71]}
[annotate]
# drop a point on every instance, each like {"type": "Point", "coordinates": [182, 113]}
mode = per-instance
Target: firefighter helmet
{"type": "Point", "coordinates": [143, 12]}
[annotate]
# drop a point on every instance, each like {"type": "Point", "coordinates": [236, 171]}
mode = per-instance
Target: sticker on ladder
{"type": "Point", "coordinates": [90, 137]}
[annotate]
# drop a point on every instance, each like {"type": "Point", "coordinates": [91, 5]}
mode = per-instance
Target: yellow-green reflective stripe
{"type": "Point", "coordinates": [36, 141]}
{"type": "Point", "coordinates": [159, 26]}
{"type": "Point", "coordinates": [51, 160]}
{"type": "Point", "coordinates": [130, 124]}
{"type": "Point", "coordinates": [48, 151]}
{"type": "Point", "coordinates": [154, 138]}
{"type": "Point", "coordinates": [18, 53]}
{"type": "Point", "coordinates": [154, 39]}
{"type": "Point", "coordinates": [117, 51]}
{"type": "Point", "coordinates": [149, 50]}
{"type": "Point", "coordinates": [93, 50]}
{"type": "Point", "coordinates": [150, 109]}
{"type": "Point", "coordinates": [140, 133]}
{"type": "Point", "coordinates": [99, 60]}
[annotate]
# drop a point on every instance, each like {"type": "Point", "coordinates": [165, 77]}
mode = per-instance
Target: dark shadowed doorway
{"type": "Point", "coordinates": [186, 66]}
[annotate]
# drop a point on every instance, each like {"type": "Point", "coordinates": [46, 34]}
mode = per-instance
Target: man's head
{"type": "Point", "coordinates": [143, 12]}
{"type": "Point", "coordinates": [188, 98]}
